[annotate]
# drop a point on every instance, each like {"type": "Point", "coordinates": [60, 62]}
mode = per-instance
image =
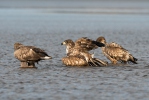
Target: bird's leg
{"type": "Point", "coordinates": [28, 64]}
{"type": "Point", "coordinates": [37, 62]}
{"type": "Point", "coordinates": [31, 64]}
{"type": "Point", "coordinates": [124, 62]}
{"type": "Point", "coordinates": [24, 64]}
{"type": "Point", "coordinates": [114, 61]}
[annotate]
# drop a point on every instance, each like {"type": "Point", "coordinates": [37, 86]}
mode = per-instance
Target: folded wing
{"type": "Point", "coordinates": [87, 44]}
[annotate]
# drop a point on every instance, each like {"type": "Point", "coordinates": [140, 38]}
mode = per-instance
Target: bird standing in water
{"type": "Point", "coordinates": [28, 55]}
{"type": "Point", "coordinates": [78, 55]}
{"type": "Point", "coordinates": [115, 52]}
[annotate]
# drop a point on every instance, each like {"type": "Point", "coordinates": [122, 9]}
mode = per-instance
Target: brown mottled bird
{"type": "Point", "coordinates": [69, 45]}
{"type": "Point", "coordinates": [115, 52]}
{"type": "Point", "coordinates": [83, 43]}
{"type": "Point", "coordinates": [79, 56]}
{"type": "Point", "coordinates": [28, 55]}
{"type": "Point", "coordinates": [81, 61]}
{"type": "Point", "coordinates": [88, 44]}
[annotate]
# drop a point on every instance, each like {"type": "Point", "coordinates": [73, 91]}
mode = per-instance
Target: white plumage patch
{"type": "Point", "coordinates": [46, 58]}
{"type": "Point", "coordinates": [66, 51]}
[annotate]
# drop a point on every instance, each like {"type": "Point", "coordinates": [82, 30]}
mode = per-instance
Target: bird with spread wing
{"type": "Point", "coordinates": [78, 55]}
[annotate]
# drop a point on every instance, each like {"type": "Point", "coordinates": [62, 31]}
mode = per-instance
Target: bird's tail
{"type": "Point", "coordinates": [99, 44]}
{"type": "Point", "coordinates": [46, 58]}
{"type": "Point", "coordinates": [97, 62]}
{"type": "Point", "coordinates": [133, 59]}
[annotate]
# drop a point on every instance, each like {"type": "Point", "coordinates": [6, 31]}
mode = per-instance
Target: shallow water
{"type": "Point", "coordinates": [52, 79]}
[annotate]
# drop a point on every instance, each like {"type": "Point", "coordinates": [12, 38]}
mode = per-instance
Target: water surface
{"type": "Point", "coordinates": [53, 80]}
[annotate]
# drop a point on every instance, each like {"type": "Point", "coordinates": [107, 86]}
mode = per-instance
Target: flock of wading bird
{"type": "Point", "coordinates": [77, 53]}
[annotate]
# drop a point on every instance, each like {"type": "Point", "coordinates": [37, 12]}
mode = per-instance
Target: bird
{"type": "Point", "coordinates": [81, 61]}
{"type": "Point", "coordinates": [29, 55]}
{"type": "Point", "coordinates": [79, 56]}
{"type": "Point", "coordinates": [69, 45]}
{"type": "Point", "coordinates": [83, 43]}
{"type": "Point", "coordinates": [87, 44]}
{"type": "Point", "coordinates": [116, 53]}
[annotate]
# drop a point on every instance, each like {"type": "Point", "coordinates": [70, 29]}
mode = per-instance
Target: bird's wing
{"type": "Point", "coordinates": [115, 50]}
{"type": "Point", "coordinates": [115, 45]}
{"type": "Point", "coordinates": [74, 61]}
{"type": "Point", "coordinates": [85, 43]}
{"type": "Point", "coordinates": [75, 51]}
{"type": "Point", "coordinates": [39, 52]}
{"type": "Point", "coordinates": [26, 53]}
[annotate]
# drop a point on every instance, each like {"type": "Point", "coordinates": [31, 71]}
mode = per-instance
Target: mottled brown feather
{"type": "Point", "coordinates": [29, 53]}
{"type": "Point", "coordinates": [85, 43]}
{"type": "Point", "coordinates": [69, 45]}
{"type": "Point", "coordinates": [78, 55]}
{"type": "Point", "coordinates": [74, 61]}
{"type": "Point", "coordinates": [115, 52]}
{"type": "Point", "coordinates": [81, 61]}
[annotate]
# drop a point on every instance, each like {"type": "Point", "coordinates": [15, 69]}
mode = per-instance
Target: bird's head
{"type": "Point", "coordinates": [17, 46]}
{"type": "Point", "coordinates": [68, 42]}
{"type": "Point", "coordinates": [101, 40]}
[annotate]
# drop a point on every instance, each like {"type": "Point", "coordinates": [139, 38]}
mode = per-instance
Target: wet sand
{"type": "Point", "coordinates": [54, 81]}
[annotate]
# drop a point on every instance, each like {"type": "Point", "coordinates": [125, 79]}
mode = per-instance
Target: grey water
{"type": "Point", "coordinates": [47, 23]}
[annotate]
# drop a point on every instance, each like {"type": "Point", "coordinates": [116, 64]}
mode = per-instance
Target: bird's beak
{"type": "Point", "coordinates": [63, 43]}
